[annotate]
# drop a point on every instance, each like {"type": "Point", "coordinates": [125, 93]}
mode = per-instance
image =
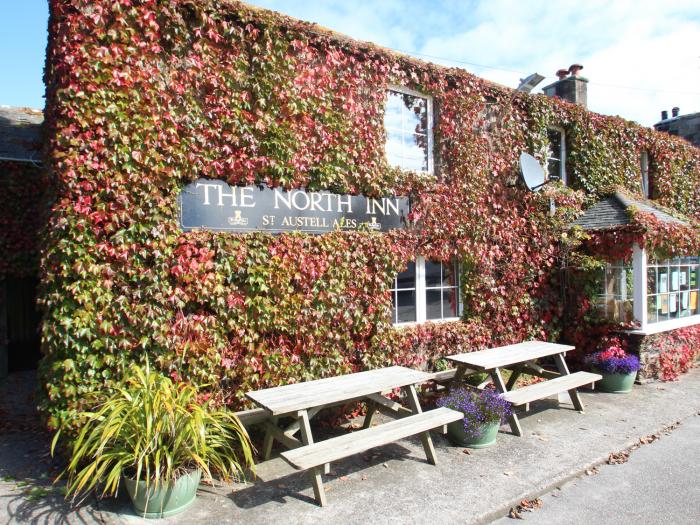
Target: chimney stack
{"type": "Point", "coordinates": [675, 111]}
{"type": "Point", "coordinates": [664, 115]}
{"type": "Point", "coordinates": [570, 86]}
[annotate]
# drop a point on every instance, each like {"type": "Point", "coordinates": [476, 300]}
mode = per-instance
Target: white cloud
{"type": "Point", "coordinates": [648, 47]}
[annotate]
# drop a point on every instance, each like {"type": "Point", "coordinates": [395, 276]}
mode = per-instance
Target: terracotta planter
{"type": "Point", "coordinates": [168, 499]}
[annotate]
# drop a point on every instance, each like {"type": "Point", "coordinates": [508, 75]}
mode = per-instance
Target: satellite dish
{"type": "Point", "coordinates": [531, 172]}
{"type": "Point", "coordinates": [528, 84]}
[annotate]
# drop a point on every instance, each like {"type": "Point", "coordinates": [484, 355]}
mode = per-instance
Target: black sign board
{"type": "Point", "coordinates": [214, 205]}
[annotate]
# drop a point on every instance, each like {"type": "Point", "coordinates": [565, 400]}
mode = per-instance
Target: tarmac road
{"type": "Point", "coordinates": [659, 484]}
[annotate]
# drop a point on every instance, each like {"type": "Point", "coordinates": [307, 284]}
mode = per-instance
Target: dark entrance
{"type": "Point", "coordinates": [19, 324]}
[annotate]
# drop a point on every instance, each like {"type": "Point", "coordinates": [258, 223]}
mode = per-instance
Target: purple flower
{"type": "Point", "coordinates": [608, 364]}
{"type": "Point", "coordinates": [480, 407]}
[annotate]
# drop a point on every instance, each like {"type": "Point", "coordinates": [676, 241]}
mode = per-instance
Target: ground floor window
{"type": "Point", "coordinates": [426, 291]}
{"type": "Point", "coordinates": [656, 294]}
{"type": "Point", "coordinates": [672, 289]}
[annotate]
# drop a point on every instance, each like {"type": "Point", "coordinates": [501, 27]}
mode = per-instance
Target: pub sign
{"type": "Point", "coordinates": [207, 204]}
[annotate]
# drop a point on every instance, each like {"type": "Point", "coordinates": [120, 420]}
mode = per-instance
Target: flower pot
{"type": "Point", "coordinates": [167, 499]}
{"type": "Point", "coordinates": [485, 437]}
{"type": "Point", "coordinates": [616, 383]}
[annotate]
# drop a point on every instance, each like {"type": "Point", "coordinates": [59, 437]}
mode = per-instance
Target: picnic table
{"type": "Point", "coordinates": [521, 358]}
{"type": "Point", "coordinates": [302, 401]}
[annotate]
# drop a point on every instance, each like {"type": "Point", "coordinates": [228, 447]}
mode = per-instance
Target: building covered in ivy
{"type": "Point", "coordinates": [250, 200]}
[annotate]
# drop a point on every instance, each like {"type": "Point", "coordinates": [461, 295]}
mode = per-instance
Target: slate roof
{"type": "Point", "coordinates": [611, 212]}
{"type": "Point", "coordinates": [20, 134]}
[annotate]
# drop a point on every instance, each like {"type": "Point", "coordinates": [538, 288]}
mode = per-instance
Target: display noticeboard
{"type": "Point", "coordinates": [214, 205]}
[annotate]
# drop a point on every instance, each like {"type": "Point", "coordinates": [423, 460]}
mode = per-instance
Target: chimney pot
{"type": "Point", "coordinates": [675, 111]}
{"type": "Point", "coordinates": [561, 74]}
{"type": "Point", "coordinates": [664, 115]}
{"type": "Point", "coordinates": [574, 69]}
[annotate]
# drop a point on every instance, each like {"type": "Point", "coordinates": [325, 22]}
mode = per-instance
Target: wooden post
{"type": "Point", "coordinates": [4, 338]}
{"type": "Point", "coordinates": [413, 402]}
{"type": "Point", "coordinates": [315, 472]}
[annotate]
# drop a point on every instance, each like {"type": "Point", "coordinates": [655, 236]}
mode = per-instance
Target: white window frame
{"type": "Point", "coordinates": [644, 173]}
{"type": "Point", "coordinates": [421, 296]}
{"type": "Point", "coordinates": [429, 131]}
{"type": "Point", "coordinates": [640, 294]}
{"type": "Point", "coordinates": [562, 154]}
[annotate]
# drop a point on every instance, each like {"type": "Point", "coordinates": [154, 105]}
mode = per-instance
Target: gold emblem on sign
{"type": "Point", "coordinates": [237, 220]}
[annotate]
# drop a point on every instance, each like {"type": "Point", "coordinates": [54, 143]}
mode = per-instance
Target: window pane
{"type": "Point", "coordinates": [651, 280]}
{"type": "Point", "coordinates": [432, 273]}
{"type": "Point", "coordinates": [393, 111]}
{"type": "Point", "coordinates": [449, 275]}
{"type": "Point", "coordinates": [554, 168]}
{"type": "Point", "coordinates": [416, 114]}
{"type": "Point", "coordinates": [554, 137]}
{"type": "Point", "coordinates": [433, 304]}
{"type": "Point", "coordinates": [407, 278]}
{"type": "Point", "coordinates": [450, 302]}
{"type": "Point", "coordinates": [675, 278]}
{"type": "Point", "coordinates": [663, 280]}
{"type": "Point", "coordinates": [662, 306]}
{"type": "Point", "coordinates": [406, 309]}
{"type": "Point", "coordinates": [651, 309]}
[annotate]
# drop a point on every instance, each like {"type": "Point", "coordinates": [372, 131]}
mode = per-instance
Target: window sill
{"type": "Point", "coordinates": [434, 321]}
{"type": "Point", "coordinates": [665, 326]}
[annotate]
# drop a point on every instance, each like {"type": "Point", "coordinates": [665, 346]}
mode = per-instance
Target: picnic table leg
{"type": "Point", "coordinates": [564, 370]}
{"type": "Point", "coordinates": [413, 402]}
{"type": "Point", "coordinates": [501, 387]}
{"type": "Point", "coordinates": [269, 439]}
{"type": "Point", "coordinates": [315, 472]}
{"type": "Point", "coordinates": [459, 375]}
{"type": "Point", "coordinates": [371, 410]}
{"type": "Point", "coordinates": [514, 377]}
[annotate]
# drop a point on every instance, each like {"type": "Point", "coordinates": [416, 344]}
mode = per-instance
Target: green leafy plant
{"type": "Point", "coordinates": [154, 430]}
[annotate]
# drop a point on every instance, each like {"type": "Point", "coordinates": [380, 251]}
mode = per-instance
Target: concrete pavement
{"type": "Point", "coordinates": [660, 483]}
{"type": "Point", "coordinates": [394, 484]}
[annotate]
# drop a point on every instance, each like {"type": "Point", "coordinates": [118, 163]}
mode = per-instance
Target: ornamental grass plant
{"type": "Point", "coordinates": [480, 407]}
{"type": "Point", "coordinates": [153, 430]}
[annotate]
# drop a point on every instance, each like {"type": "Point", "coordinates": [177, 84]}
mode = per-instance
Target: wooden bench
{"type": "Point", "coordinates": [313, 457]}
{"type": "Point", "coordinates": [551, 387]}
{"type": "Point", "coordinates": [521, 358]}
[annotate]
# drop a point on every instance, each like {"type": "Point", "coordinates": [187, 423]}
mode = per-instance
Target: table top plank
{"type": "Point", "coordinates": [302, 396]}
{"type": "Point", "coordinates": [508, 355]}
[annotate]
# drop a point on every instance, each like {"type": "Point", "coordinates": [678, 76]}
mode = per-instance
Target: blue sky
{"type": "Point", "coordinates": [640, 56]}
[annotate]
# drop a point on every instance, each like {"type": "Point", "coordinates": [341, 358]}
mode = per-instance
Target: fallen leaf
{"type": "Point", "coordinates": [344, 478]}
{"type": "Point", "coordinates": [467, 451]}
{"type": "Point", "coordinates": [618, 458]}
{"type": "Point", "coordinates": [508, 473]}
{"type": "Point", "coordinates": [514, 514]}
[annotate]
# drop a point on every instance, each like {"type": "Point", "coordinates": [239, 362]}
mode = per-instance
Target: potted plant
{"type": "Point", "coordinates": [484, 412]}
{"type": "Point", "coordinates": [617, 367]}
{"type": "Point", "coordinates": [160, 438]}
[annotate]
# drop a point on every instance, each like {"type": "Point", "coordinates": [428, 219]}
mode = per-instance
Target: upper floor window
{"type": "Point", "coordinates": [426, 291]}
{"type": "Point", "coordinates": [556, 154]}
{"type": "Point", "coordinates": [408, 124]}
{"type": "Point", "coordinates": [644, 169]}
